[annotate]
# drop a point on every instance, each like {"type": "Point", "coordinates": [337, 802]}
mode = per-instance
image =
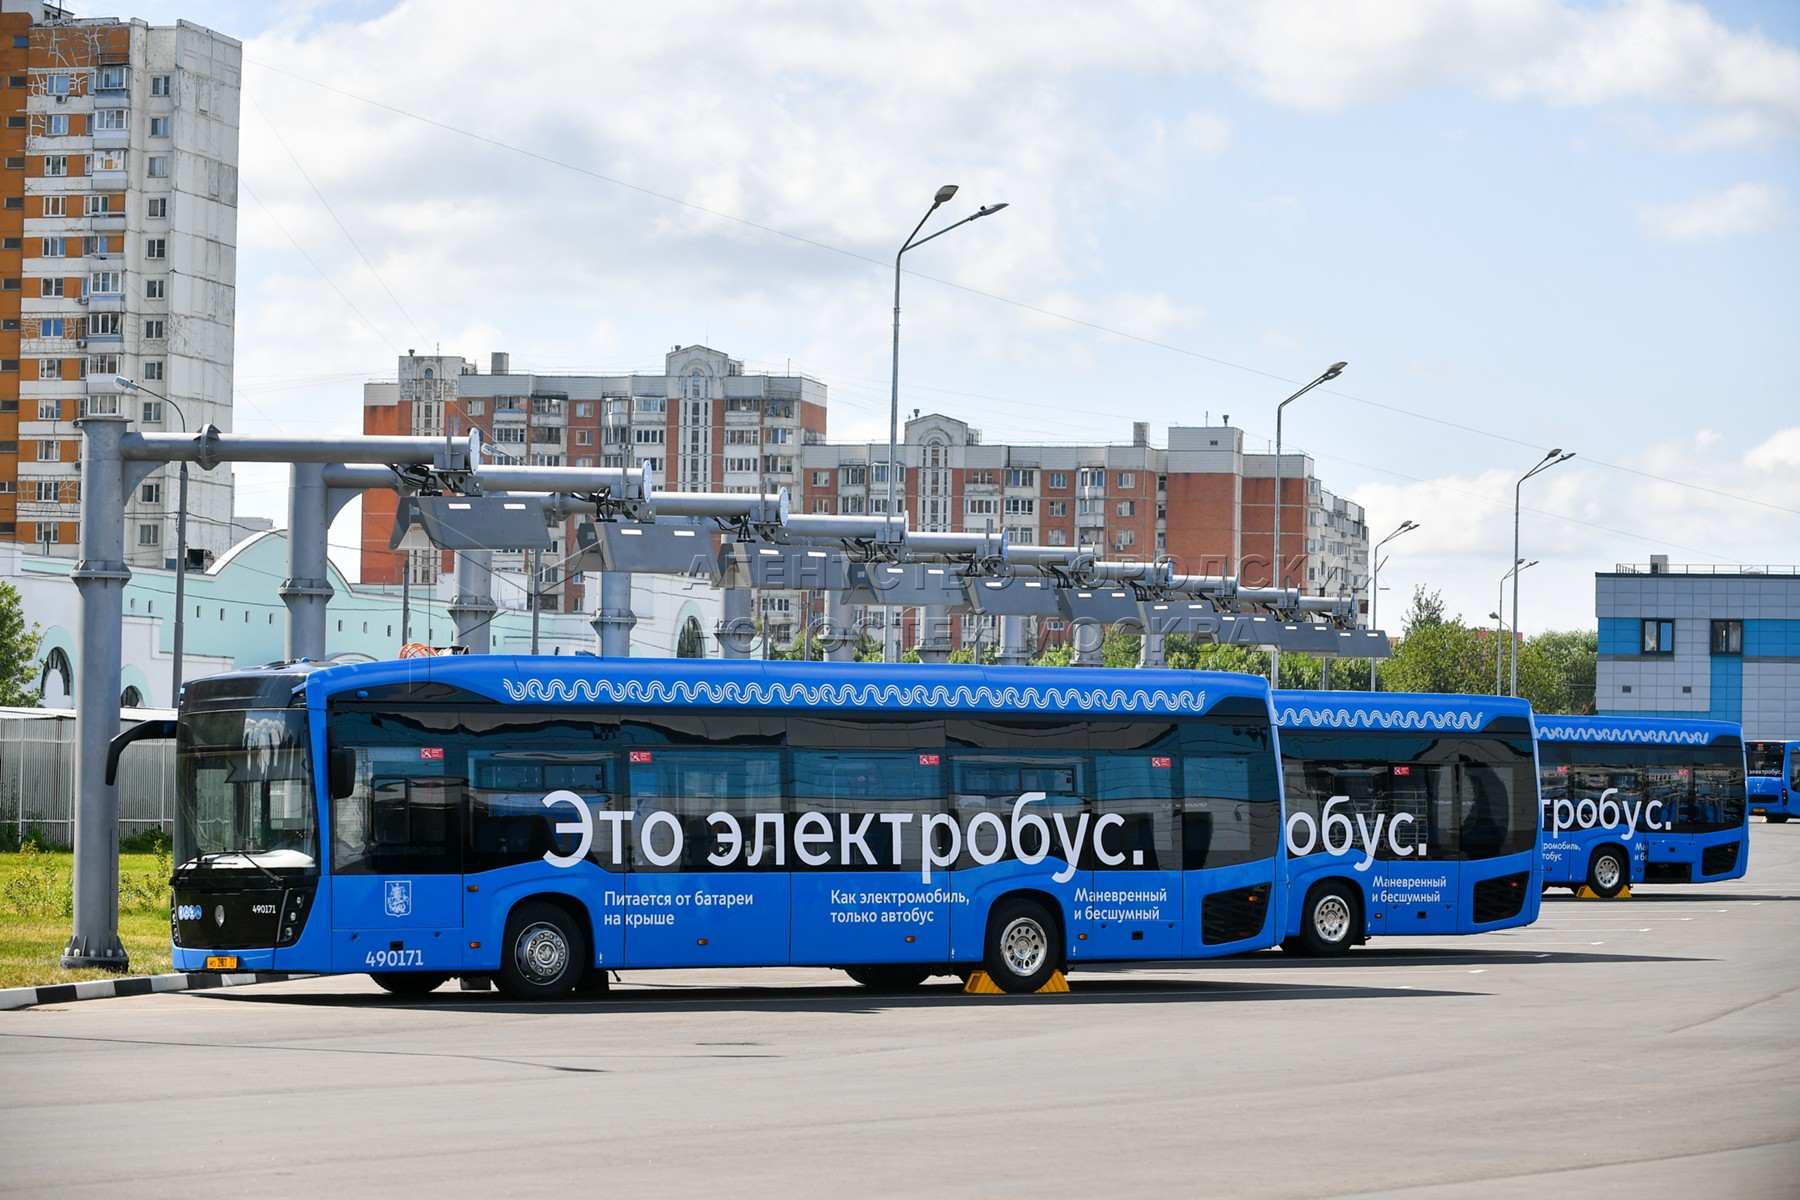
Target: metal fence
{"type": "Point", "coordinates": [37, 775]}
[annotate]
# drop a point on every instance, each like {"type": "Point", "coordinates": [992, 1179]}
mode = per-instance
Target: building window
{"type": "Point", "coordinates": [56, 164]}
{"type": "Point", "coordinates": [1127, 479]}
{"type": "Point", "coordinates": [159, 85]}
{"type": "Point", "coordinates": [153, 369]}
{"type": "Point", "coordinates": [104, 283]}
{"type": "Point", "coordinates": [49, 368]}
{"type": "Point", "coordinates": [49, 451]}
{"type": "Point", "coordinates": [149, 535]}
{"type": "Point", "coordinates": [1021, 478]}
{"type": "Point", "coordinates": [821, 478]}
{"type": "Point", "coordinates": [15, 162]}
{"type": "Point", "coordinates": [856, 476]}
{"type": "Point", "coordinates": [150, 493]}
{"type": "Point", "coordinates": [1658, 636]}
{"type": "Point", "coordinates": [56, 247]}
{"type": "Point", "coordinates": [1727, 637]}
{"type": "Point", "coordinates": [56, 85]}
{"type": "Point", "coordinates": [106, 160]}
{"type": "Point", "coordinates": [109, 119]}
{"type": "Point", "coordinates": [110, 79]}
{"type": "Point", "coordinates": [97, 204]}
{"type": "Point", "coordinates": [1090, 479]}
{"type": "Point", "coordinates": [983, 508]}
{"type": "Point", "coordinates": [1057, 479]}
{"type": "Point", "coordinates": [584, 437]}
{"type": "Point", "coordinates": [153, 329]}
{"type": "Point", "coordinates": [95, 247]}
{"type": "Point", "coordinates": [584, 408]}
{"type": "Point", "coordinates": [153, 289]}
{"type": "Point", "coordinates": [49, 410]}
{"type": "Point", "coordinates": [156, 206]}
{"type": "Point", "coordinates": [1020, 506]}
{"type": "Point", "coordinates": [49, 491]}
{"type": "Point", "coordinates": [156, 248]}
{"type": "Point", "coordinates": [1056, 508]}
{"type": "Point", "coordinates": [55, 206]}
{"type": "Point", "coordinates": [159, 127]}
{"type": "Point", "coordinates": [159, 166]}
{"type": "Point", "coordinates": [1127, 508]}
{"type": "Point", "coordinates": [50, 287]}
{"type": "Point", "coordinates": [101, 325]}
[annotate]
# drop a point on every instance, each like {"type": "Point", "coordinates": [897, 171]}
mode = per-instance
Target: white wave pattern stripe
{"type": "Point", "coordinates": [850, 695]}
{"type": "Point", "coordinates": [1366, 718]}
{"type": "Point", "coordinates": [1571, 733]}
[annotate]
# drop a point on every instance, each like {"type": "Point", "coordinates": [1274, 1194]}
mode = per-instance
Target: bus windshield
{"type": "Point", "coordinates": [244, 781]}
{"type": "Point", "coordinates": [1764, 758]}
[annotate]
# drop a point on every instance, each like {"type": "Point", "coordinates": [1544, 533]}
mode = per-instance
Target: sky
{"type": "Point", "coordinates": [1525, 224]}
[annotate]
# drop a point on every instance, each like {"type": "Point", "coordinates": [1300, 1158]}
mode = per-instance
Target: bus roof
{"type": "Point", "coordinates": [870, 687]}
{"type": "Point", "coordinates": [1667, 731]}
{"type": "Point", "coordinates": [1394, 710]}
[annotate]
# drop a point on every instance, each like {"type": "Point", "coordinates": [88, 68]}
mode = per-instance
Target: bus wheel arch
{"type": "Point", "coordinates": [545, 950]}
{"type": "Point", "coordinates": [1023, 946]}
{"type": "Point", "coordinates": [1332, 919]}
{"type": "Point", "coordinates": [1609, 870]}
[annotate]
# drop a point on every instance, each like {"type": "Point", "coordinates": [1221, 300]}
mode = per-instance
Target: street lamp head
{"type": "Point", "coordinates": [1566, 457]}
{"type": "Point", "coordinates": [1554, 453]}
{"type": "Point", "coordinates": [122, 384]}
{"type": "Point", "coordinates": [1335, 370]}
{"type": "Point", "coordinates": [988, 210]}
{"type": "Point", "coordinates": [944, 193]}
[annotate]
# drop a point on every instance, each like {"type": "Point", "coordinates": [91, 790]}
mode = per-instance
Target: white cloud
{"type": "Point", "coordinates": [1581, 518]}
{"type": "Point", "coordinates": [1746, 208]}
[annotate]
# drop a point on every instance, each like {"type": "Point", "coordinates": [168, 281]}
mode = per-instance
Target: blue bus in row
{"type": "Point", "coordinates": [1774, 769]}
{"type": "Point", "coordinates": [1629, 800]}
{"type": "Point", "coordinates": [544, 821]}
{"type": "Point", "coordinates": [1406, 814]}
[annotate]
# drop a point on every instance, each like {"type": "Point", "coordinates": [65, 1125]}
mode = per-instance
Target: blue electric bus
{"type": "Point", "coordinates": [1774, 779]}
{"type": "Point", "coordinates": [543, 821]}
{"type": "Point", "coordinates": [1641, 800]}
{"type": "Point", "coordinates": [1406, 814]}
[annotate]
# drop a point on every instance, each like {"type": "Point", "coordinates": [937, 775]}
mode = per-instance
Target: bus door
{"type": "Point", "coordinates": [397, 842]}
{"type": "Point", "coordinates": [857, 855]}
{"type": "Point", "coordinates": [708, 858]}
{"type": "Point", "coordinates": [1417, 875]}
{"type": "Point", "coordinates": [1135, 903]}
{"type": "Point", "coordinates": [1497, 839]}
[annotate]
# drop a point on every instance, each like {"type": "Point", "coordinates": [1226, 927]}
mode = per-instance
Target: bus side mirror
{"type": "Point", "coordinates": [342, 772]}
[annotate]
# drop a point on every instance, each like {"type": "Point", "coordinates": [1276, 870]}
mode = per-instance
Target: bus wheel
{"type": "Point", "coordinates": [543, 954]}
{"type": "Point", "coordinates": [1329, 926]}
{"type": "Point", "coordinates": [1607, 873]}
{"type": "Point", "coordinates": [1776, 818]}
{"type": "Point", "coordinates": [1021, 946]}
{"type": "Point", "coordinates": [1293, 945]}
{"type": "Point", "coordinates": [407, 983]}
{"type": "Point", "coordinates": [889, 978]}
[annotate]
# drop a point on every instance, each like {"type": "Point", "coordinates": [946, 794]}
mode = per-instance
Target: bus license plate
{"type": "Point", "coordinates": [221, 962]}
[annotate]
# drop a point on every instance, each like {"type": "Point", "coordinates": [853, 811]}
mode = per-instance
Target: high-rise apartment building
{"type": "Point", "coordinates": [1202, 501]}
{"type": "Point", "coordinates": [701, 425]}
{"type": "Point", "coordinates": [118, 236]}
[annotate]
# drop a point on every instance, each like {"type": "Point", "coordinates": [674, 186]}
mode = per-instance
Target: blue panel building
{"type": "Point", "coordinates": [1717, 642]}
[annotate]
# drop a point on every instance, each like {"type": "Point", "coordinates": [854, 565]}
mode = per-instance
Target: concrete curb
{"type": "Point", "coordinates": [139, 985]}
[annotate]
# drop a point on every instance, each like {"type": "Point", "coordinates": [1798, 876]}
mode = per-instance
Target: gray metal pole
{"type": "Point", "coordinates": [100, 576]}
{"type": "Point", "coordinates": [735, 623]}
{"type": "Point", "coordinates": [841, 640]}
{"type": "Point", "coordinates": [473, 609]}
{"type": "Point", "coordinates": [181, 503]}
{"type": "Point", "coordinates": [532, 598]}
{"type": "Point", "coordinates": [1012, 641]}
{"type": "Point", "coordinates": [307, 589]}
{"type": "Point", "coordinates": [616, 619]}
{"type": "Point", "coordinates": [934, 634]}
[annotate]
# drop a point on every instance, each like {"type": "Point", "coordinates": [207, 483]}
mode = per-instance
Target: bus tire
{"type": "Point", "coordinates": [889, 977]}
{"type": "Point", "coordinates": [1021, 952]}
{"type": "Point", "coordinates": [543, 954]}
{"type": "Point", "coordinates": [407, 983]}
{"type": "Point", "coordinates": [1776, 818]}
{"type": "Point", "coordinates": [1607, 872]}
{"type": "Point", "coordinates": [1329, 924]}
{"type": "Point", "coordinates": [1294, 946]}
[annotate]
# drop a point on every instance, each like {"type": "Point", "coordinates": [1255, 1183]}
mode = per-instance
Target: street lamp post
{"type": "Point", "coordinates": [1277, 577]}
{"type": "Point", "coordinates": [181, 503]}
{"type": "Point", "coordinates": [1544, 464]}
{"type": "Point", "coordinates": [1375, 585]}
{"type": "Point", "coordinates": [1499, 605]}
{"type": "Point", "coordinates": [943, 196]}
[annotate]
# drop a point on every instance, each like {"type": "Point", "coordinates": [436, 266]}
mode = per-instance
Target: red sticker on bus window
{"type": "Point", "coordinates": [929, 760]}
{"type": "Point", "coordinates": [640, 756]}
{"type": "Point", "coordinates": [433, 753]}
{"type": "Point", "coordinates": [1403, 770]}
{"type": "Point", "coordinates": [1159, 762]}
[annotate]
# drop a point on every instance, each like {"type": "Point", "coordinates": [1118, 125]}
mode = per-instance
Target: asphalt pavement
{"type": "Point", "coordinates": [1642, 1047]}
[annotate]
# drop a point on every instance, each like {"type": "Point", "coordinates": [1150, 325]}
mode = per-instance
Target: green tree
{"type": "Point", "coordinates": [1440, 656]}
{"type": "Point", "coordinates": [18, 652]}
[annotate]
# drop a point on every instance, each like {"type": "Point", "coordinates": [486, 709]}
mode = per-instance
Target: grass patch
{"type": "Point", "coordinates": [36, 900]}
